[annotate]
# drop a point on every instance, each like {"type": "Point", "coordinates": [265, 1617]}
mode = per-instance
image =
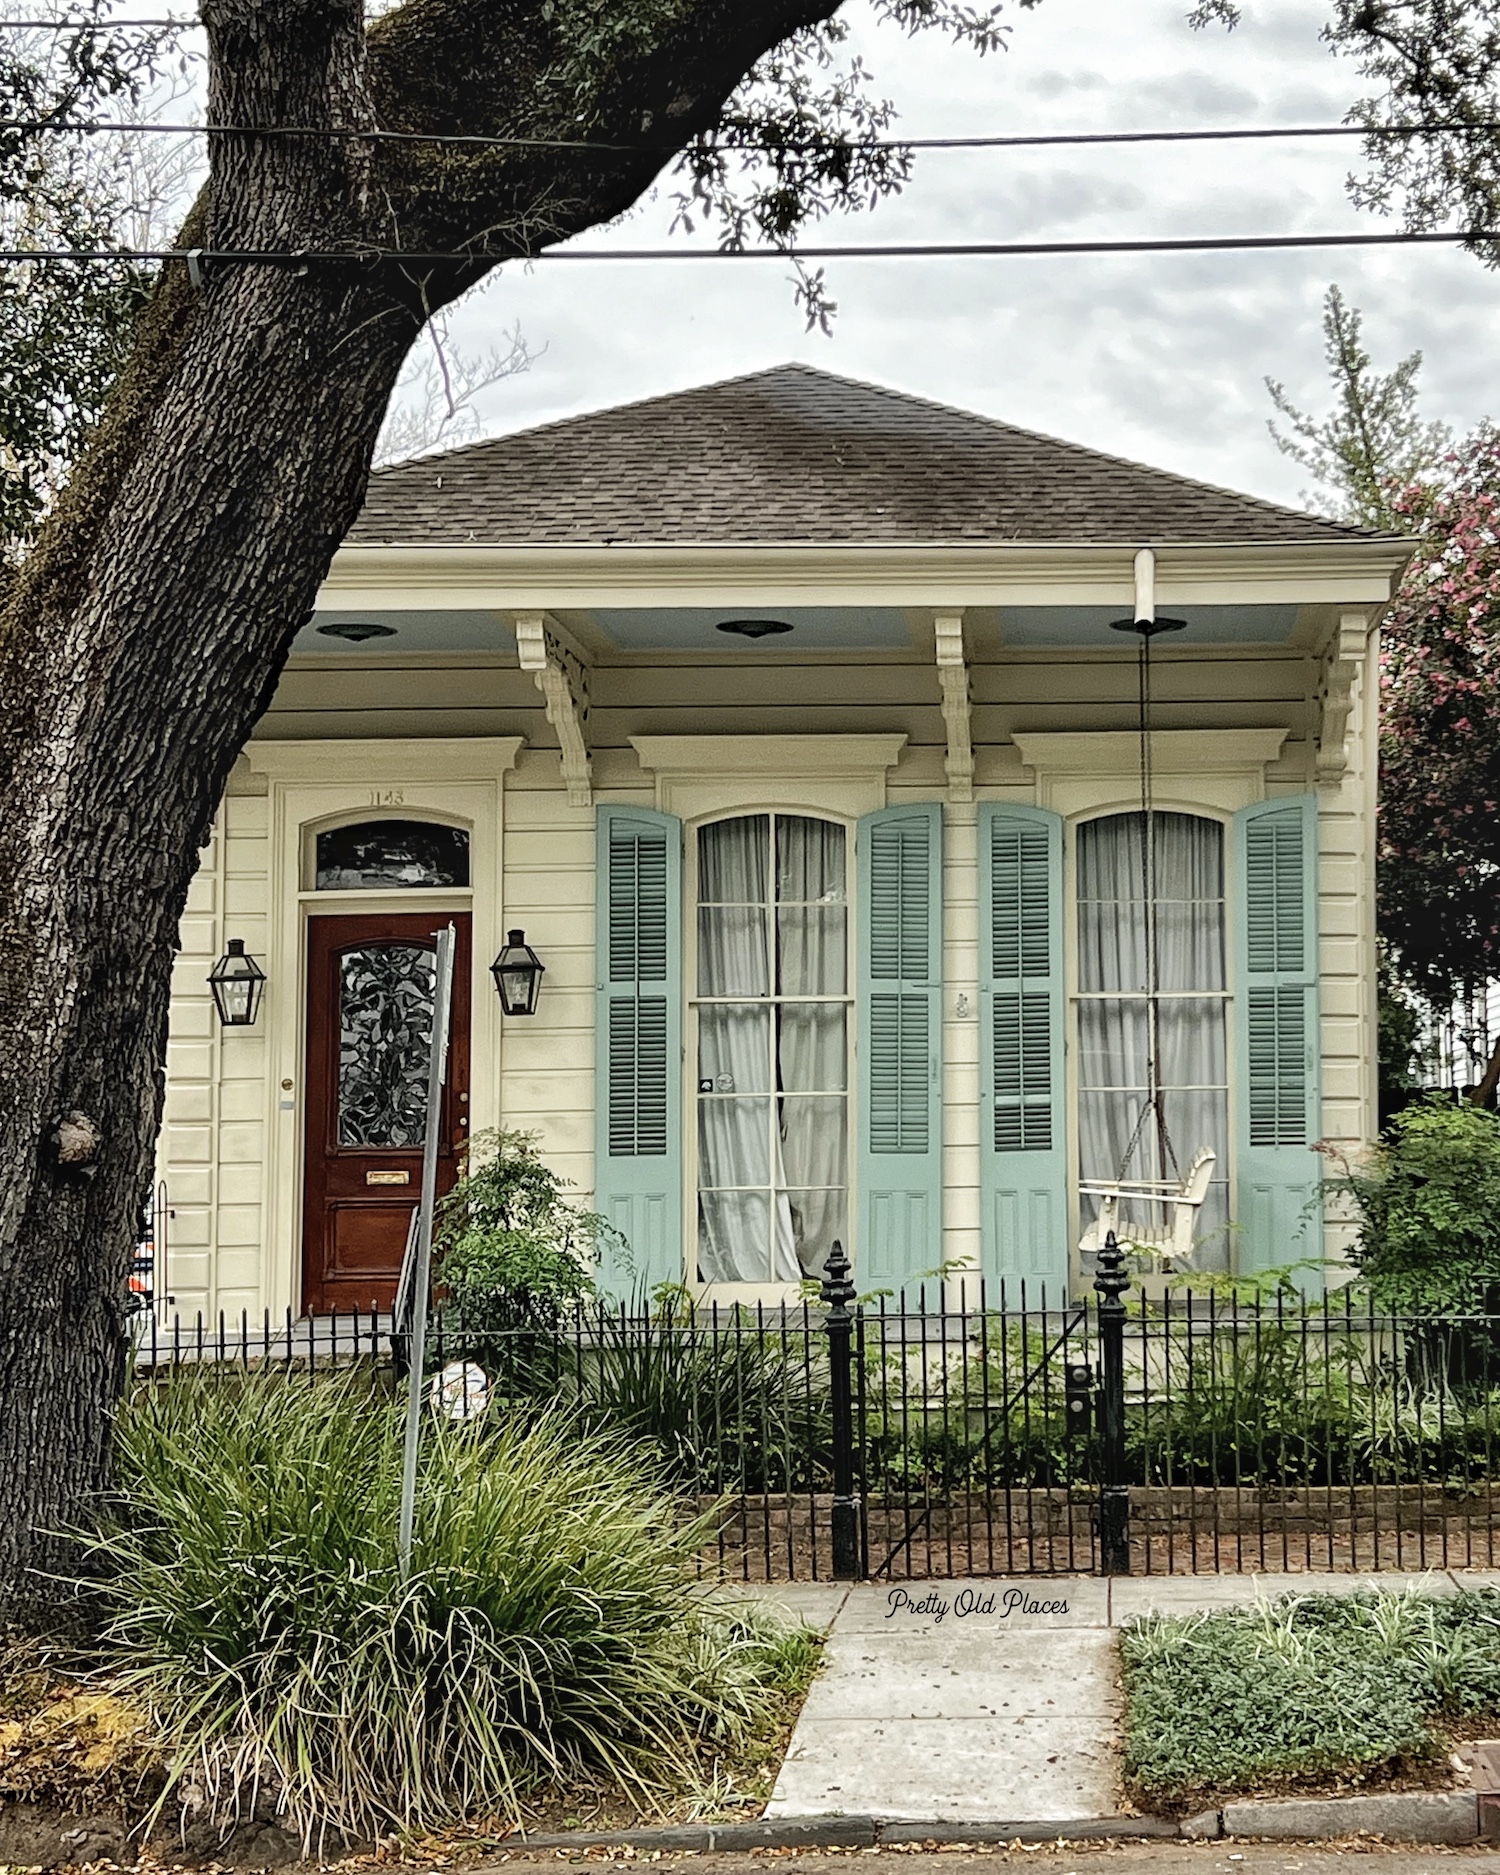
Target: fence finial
{"type": "Point", "coordinates": [848, 1504]}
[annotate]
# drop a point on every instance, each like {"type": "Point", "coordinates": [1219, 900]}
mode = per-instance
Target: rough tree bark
{"type": "Point", "coordinates": [148, 628]}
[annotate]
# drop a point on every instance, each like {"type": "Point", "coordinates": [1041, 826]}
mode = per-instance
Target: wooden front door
{"type": "Point", "coordinates": [369, 1024]}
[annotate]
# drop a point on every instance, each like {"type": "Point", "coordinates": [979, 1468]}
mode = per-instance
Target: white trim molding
{"type": "Point", "coordinates": [953, 677]}
{"type": "Point", "coordinates": [562, 675]}
{"type": "Point", "coordinates": [944, 574]}
{"type": "Point", "coordinates": [386, 760]}
{"type": "Point", "coordinates": [460, 780]}
{"type": "Point", "coordinates": [698, 775]}
{"type": "Point", "coordinates": [1080, 771]}
{"type": "Point", "coordinates": [1336, 696]}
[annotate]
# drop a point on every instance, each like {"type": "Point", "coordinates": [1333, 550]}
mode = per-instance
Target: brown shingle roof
{"type": "Point", "coordinates": [795, 454]}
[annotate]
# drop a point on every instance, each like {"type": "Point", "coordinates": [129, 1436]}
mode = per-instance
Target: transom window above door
{"type": "Point", "coordinates": [390, 855]}
{"type": "Point", "coordinates": [772, 1009]}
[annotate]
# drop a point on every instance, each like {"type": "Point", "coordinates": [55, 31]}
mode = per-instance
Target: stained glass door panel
{"type": "Point", "coordinates": [369, 1031]}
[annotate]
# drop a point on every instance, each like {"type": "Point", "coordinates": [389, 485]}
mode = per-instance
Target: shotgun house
{"type": "Point", "coordinates": [792, 721]}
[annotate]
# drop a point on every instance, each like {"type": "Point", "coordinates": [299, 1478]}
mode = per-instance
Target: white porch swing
{"type": "Point", "coordinates": [1154, 1220]}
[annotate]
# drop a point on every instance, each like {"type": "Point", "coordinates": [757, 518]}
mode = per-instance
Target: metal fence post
{"type": "Point", "coordinates": [837, 1294]}
{"type": "Point", "coordinates": [1110, 1284]}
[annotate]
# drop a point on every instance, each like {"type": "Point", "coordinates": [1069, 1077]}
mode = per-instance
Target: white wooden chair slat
{"type": "Point", "coordinates": [1169, 1243]}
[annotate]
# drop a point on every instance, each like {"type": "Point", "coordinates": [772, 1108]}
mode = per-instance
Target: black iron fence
{"type": "Point", "coordinates": [954, 1431]}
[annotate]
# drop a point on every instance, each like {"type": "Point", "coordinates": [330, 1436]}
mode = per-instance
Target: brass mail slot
{"type": "Point", "coordinates": [387, 1178]}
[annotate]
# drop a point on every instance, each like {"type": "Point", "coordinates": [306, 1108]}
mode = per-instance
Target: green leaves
{"type": "Point", "coordinates": [65, 326]}
{"type": "Point", "coordinates": [1308, 1686]}
{"type": "Point", "coordinates": [1440, 735]}
{"type": "Point", "coordinates": [1429, 1210]}
{"type": "Point", "coordinates": [1431, 62]}
{"type": "Point", "coordinates": [552, 1625]}
{"type": "Point", "coordinates": [1374, 444]}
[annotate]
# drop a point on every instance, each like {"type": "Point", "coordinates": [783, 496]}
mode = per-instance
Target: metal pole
{"type": "Point", "coordinates": [1110, 1284]}
{"type": "Point", "coordinates": [838, 1293]}
{"type": "Point", "coordinates": [437, 1071]}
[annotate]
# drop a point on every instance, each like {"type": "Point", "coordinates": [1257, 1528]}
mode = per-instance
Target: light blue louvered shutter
{"type": "Point", "coordinates": [1278, 1177]}
{"type": "Point", "coordinates": [638, 1083]}
{"type": "Point", "coordinates": [900, 936]}
{"type": "Point", "coordinates": [1022, 1125]}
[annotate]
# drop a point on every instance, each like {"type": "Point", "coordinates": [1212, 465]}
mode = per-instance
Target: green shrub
{"type": "Point", "coordinates": [514, 1259]}
{"type": "Point", "coordinates": [551, 1624]}
{"type": "Point", "coordinates": [1304, 1687]}
{"type": "Point", "coordinates": [1428, 1203]}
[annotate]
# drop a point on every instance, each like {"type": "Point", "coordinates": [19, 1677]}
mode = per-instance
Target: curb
{"type": "Point", "coordinates": [845, 1832]}
{"type": "Point", "coordinates": [1426, 1816]}
{"type": "Point", "coordinates": [1448, 1816]}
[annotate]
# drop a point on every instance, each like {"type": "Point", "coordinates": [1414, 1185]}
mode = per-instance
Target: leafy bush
{"type": "Point", "coordinates": [1304, 1687]}
{"type": "Point", "coordinates": [1279, 1398]}
{"type": "Point", "coordinates": [551, 1624]}
{"type": "Point", "coordinates": [1429, 1210]}
{"type": "Point", "coordinates": [513, 1257]}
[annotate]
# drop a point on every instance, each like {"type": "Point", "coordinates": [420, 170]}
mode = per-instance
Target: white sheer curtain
{"type": "Point", "coordinates": [812, 1038]}
{"type": "Point", "coordinates": [1114, 1013]}
{"type": "Point", "coordinates": [772, 1123]}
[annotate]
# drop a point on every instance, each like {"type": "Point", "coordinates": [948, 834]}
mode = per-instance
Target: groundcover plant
{"type": "Point", "coordinates": [1308, 1687]}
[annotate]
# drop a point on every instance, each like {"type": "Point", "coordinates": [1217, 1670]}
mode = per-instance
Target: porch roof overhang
{"type": "Point", "coordinates": [506, 579]}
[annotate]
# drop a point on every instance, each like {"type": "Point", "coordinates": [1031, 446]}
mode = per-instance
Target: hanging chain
{"type": "Point", "coordinates": [1155, 1099]}
{"type": "Point", "coordinates": [1154, 1106]}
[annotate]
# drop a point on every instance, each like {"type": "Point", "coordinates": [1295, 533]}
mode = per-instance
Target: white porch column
{"type": "Point", "coordinates": [961, 1117]}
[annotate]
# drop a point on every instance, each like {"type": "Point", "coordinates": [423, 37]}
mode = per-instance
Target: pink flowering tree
{"type": "Point", "coordinates": [1439, 882]}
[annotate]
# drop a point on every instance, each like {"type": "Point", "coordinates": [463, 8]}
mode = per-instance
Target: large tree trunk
{"type": "Point", "coordinates": [149, 627]}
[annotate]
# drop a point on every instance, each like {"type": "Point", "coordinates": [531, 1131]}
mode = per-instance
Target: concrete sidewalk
{"type": "Point", "coordinates": [995, 1699]}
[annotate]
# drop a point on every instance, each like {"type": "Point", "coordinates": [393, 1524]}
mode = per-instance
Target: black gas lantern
{"type": "Point", "coordinates": [237, 981]}
{"type": "Point", "coordinates": [518, 975]}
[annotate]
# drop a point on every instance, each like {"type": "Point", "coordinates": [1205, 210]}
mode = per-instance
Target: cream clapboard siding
{"type": "Point", "coordinates": [547, 1067]}
{"type": "Point", "coordinates": [188, 1149]}
{"type": "Point", "coordinates": [1346, 915]}
{"type": "Point", "coordinates": [213, 1147]}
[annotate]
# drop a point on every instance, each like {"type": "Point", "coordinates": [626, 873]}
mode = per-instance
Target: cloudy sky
{"type": "Point", "coordinates": [1161, 358]}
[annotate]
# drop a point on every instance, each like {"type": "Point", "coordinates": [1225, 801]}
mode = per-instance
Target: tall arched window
{"type": "Point", "coordinates": [773, 1020]}
{"type": "Point", "coordinates": [1121, 1024]}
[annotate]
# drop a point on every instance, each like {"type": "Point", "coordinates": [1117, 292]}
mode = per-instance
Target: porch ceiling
{"type": "Point", "coordinates": [1084, 625]}
{"type": "Point", "coordinates": [834, 629]}
{"type": "Point", "coordinates": [404, 633]}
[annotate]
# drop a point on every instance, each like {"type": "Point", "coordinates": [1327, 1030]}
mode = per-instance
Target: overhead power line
{"type": "Point", "coordinates": [923, 250]}
{"type": "Point", "coordinates": [1040, 140]}
{"type": "Point", "coordinates": [86, 26]}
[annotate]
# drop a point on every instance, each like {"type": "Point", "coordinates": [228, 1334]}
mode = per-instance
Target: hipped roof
{"type": "Point", "coordinates": [793, 455]}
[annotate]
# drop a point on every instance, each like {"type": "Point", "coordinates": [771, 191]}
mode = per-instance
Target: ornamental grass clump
{"type": "Point", "coordinates": [551, 1626]}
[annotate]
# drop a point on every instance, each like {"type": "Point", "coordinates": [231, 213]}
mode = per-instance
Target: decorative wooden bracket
{"type": "Point", "coordinates": [562, 676]}
{"type": "Point", "coordinates": [1336, 697]}
{"type": "Point", "coordinates": [953, 676]}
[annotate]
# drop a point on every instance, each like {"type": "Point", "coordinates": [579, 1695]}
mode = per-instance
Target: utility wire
{"type": "Point", "coordinates": [1192, 244]}
{"type": "Point", "coordinates": [86, 26]}
{"type": "Point", "coordinates": [347, 133]}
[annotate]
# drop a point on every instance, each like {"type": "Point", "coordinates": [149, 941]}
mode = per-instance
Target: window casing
{"type": "Point", "coordinates": [772, 1021]}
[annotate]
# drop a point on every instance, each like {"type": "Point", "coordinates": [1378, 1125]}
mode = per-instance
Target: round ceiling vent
{"type": "Point", "coordinates": [358, 630]}
{"type": "Point", "coordinates": [755, 627]}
